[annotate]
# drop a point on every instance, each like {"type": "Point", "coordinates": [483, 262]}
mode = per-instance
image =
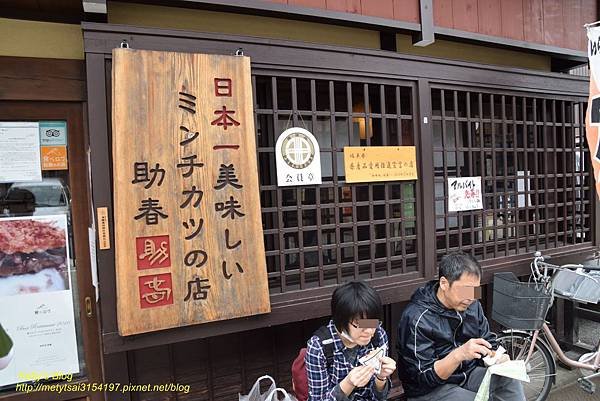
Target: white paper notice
{"type": "Point", "coordinates": [521, 188]}
{"type": "Point", "coordinates": [39, 317]}
{"type": "Point", "coordinates": [464, 193]}
{"type": "Point", "coordinates": [513, 369]}
{"type": "Point", "coordinates": [20, 152]}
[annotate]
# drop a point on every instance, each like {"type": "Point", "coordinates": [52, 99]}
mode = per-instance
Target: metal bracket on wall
{"type": "Point", "coordinates": [426, 36]}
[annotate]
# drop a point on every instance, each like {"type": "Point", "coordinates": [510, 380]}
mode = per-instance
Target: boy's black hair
{"type": "Point", "coordinates": [454, 264]}
{"type": "Point", "coordinates": [351, 300]}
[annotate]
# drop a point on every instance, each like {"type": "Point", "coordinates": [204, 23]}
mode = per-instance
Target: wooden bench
{"type": "Point", "coordinates": [397, 392]}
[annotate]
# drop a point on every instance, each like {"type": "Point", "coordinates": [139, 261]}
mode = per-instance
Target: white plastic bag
{"type": "Point", "coordinates": [515, 370]}
{"type": "Point", "coordinates": [255, 394]}
{"type": "Point", "coordinates": [274, 395]}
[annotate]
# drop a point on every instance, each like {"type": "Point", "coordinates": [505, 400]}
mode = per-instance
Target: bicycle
{"type": "Point", "coordinates": [521, 307]}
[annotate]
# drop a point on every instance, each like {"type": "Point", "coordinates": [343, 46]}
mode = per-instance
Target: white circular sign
{"type": "Point", "coordinates": [298, 158]}
{"type": "Point", "coordinates": [297, 150]}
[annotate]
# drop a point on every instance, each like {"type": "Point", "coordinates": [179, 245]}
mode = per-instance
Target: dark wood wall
{"type": "Point", "coordinates": [219, 368]}
{"type": "Point", "coordinates": [25, 78]}
{"type": "Point", "coordinates": [401, 10]}
{"type": "Point", "coordinates": [311, 62]}
{"type": "Point", "coordinates": [551, 22]}
{"type": "Point", "coordinates": [556, 23]}
{"type": "Point", "coordinates": [220, 359]}
{"type": "Point", "coordinates": [33, 89]}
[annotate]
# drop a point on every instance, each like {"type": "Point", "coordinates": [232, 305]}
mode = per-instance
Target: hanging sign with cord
{"type": "Point", "coordinates": [298, 158]}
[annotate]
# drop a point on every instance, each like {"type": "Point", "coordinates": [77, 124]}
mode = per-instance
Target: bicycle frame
{"type": "Point", "coordinates": [594, 367]}
{"type": "Point", "coordinates": [545, 278]}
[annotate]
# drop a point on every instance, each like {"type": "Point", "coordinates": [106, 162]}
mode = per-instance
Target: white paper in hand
{"type": "Point", "coordinates": [491, 360]}
{"type": "Point", "coordinates": [372, 359]}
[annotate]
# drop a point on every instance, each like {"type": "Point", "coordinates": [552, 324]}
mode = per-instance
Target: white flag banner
{"type": "Point", "coordinates": [592, 118]}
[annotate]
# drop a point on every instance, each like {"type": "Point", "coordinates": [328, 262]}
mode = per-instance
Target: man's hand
{"type": "Point", "coordinates": [388, 366]}
{"type": "Point", "coordinates": [475, 348]}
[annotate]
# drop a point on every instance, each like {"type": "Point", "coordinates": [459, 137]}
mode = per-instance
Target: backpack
{"type": "Point", "coordinates": [299, 377]}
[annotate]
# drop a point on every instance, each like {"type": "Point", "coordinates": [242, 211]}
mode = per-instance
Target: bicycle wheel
{"type": "Point", "coordinates": [540, 367]}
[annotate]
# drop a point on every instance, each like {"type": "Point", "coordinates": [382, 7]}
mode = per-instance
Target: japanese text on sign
{"type": "Point", "coordinates": [464, 193]}
{"type": "Point", "coordinates": [380, 163]}
{"type": "Point", "coordinates": [191, 249]}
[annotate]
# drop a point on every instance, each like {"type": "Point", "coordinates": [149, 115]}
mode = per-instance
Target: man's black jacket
{"type": "Point", "coordinates": [428, 331]}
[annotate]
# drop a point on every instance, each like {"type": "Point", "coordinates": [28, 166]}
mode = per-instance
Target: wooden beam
{"type": "Point", "coordinates": [25, 78]}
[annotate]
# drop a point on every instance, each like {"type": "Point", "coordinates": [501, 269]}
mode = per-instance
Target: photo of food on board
{"type": "Point", "coordinates": [33, 255]}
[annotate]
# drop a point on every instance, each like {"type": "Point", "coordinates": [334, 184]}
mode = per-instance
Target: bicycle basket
{"type": "Point", "coordinates": [518, 305]}
{"type": "Point", "coordinates": [568, 284]}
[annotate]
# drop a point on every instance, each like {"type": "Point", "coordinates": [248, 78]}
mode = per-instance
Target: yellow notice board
{"type": "Point", "coordinates": [188, 234]}
{"type": "Point", "coordinates": [380, 163]}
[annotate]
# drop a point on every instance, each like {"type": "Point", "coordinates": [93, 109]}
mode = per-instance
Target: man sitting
{"type": "Point", "coordinates": [443, 333]}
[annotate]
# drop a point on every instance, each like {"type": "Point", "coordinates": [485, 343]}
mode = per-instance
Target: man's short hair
{"type": "Point", "coordinates": [354, 299]}
{"type": "Point", "coordinates": [454, 264]}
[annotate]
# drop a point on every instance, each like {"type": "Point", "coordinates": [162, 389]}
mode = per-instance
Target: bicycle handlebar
{"type": "Point", "coordinates": [539, 268]}
{"type": "Point", "coordinates": [590, 268]}
{"type": "Point", "coordinates": [569, 266]}
{"type": "Point", "coordinates": [546, 273]}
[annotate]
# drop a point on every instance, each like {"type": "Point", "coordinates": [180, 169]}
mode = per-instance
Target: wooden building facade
{"type": "Point", "coordinates": [488, 96]}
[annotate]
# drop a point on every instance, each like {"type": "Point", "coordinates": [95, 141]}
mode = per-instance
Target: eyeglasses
{"type": "Point", "coordinates": [364, 324]}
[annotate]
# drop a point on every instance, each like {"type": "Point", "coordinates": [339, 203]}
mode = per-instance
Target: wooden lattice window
{"type": "Point", "coordinates": [321, 235]}
{"type": "Point", "coordinates": [531, 153]}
